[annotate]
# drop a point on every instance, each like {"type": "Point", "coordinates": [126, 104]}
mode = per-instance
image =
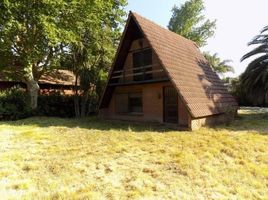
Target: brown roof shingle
{"type": "Point", "coordinates": [58, 77]}
{"type": "Point", "coordinates": [54, 77]}
{"type": "Point", "coordinates": [198, 85]}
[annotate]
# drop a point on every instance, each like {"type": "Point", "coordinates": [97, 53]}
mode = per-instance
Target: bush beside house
{"type": "Point", "coordinates": [55, 105]}
{"type": "Point", "coordinates": [14, 104]}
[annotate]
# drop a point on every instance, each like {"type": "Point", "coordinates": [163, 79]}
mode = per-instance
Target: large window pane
{"type": "Point", "coordinates": [141, 59]}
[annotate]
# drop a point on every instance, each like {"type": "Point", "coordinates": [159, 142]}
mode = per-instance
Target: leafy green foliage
{"type": "Point", "coordinates": [14, 104]}
{"type": "Point", "coordinates": [91, 57]}
{"type": "Point", "coordinates": [219, 66]}
{"type": "Point", "coordinates": [255, 78]}
{"type": "Point", "coordinates": [31, 33]}
{"type": "Point", "coordinates": [32, 36]}
{"type": "Point", "coordinates": [235, 88]}
{"type": "Point", "coordinates": [56, 105]}
{"type": "Point", "coordinates": [35, 35]}
{"type": "Point", "coordinates": [189, 22]}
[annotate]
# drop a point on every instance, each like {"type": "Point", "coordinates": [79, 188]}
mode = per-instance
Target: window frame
{"type": "Point", "coordinates": [138, 95]}
{"type": "Point", "coordinates": [141, 59]}
{"type": "Point", "coordinates": [128, 112]}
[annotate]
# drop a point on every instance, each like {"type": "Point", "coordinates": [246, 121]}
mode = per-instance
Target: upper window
{"type": "Point", "coordinates": [141, 65]}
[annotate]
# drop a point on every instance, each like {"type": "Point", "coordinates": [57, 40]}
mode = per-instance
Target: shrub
{"type": "Point", "coordinates": [56, 105]}
{"type": "Point", "coordinates": [235, 88]}
{"type": "Point", "coordinates": [14, 104]}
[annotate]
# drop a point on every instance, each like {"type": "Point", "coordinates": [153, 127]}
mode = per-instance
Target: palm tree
{"type": "Point", "coordinates": [219, 66]}
{"type": "Point", "coordinates": [255, 78]}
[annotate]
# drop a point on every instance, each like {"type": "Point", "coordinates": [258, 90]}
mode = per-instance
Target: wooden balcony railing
{"type": "Point", "coordinates": [144, 74]}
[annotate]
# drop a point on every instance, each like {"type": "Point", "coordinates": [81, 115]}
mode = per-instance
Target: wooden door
{"type": "Point", "coordinates": [170, 105]}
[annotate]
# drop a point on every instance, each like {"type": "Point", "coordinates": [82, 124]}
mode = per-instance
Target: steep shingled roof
{"type": "Point", "coordinates": [58, 77]}
{"type": "Point", "coordinates": [197, 84]}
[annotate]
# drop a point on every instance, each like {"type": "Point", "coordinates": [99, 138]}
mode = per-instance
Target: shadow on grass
{"type": "Point", "coordinates": [92, 122]}
{"type": "Point", "coordinates": [256, 122]}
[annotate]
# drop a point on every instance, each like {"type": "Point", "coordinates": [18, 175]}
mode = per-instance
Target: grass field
{"type": "Point", "coordinates": [52, 158]}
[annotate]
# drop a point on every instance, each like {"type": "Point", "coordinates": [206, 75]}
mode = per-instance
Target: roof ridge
{"type": "Point", "coordinates": [165, 29]}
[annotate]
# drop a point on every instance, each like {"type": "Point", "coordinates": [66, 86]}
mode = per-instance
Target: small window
{"type": "Point", "coordinates": [135, 103]}
{"type": "Point", "coordinates": [142, 59]}
{"type": "Point", "coordinates": [129, 103]}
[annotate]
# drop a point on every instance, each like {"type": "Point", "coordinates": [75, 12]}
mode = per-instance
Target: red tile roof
{"type": "Point", "coordinates": [58, 77]}
{"type": "Point", "coordinates": [197, 84]}
{"type": "Point", "coordinates": [55, 77]}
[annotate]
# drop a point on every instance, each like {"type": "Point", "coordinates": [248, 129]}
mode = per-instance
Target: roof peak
{"type": "Point", "coordinates": [135, 15]}
{"type": "Point", "coordinates": [184, 65]}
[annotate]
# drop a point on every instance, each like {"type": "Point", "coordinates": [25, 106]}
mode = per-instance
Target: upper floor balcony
{"type": "Point", "coordinates": [145, 74]}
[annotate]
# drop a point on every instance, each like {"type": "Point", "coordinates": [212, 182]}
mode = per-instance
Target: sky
{"type": "Point", "coordinates": [238, 21]}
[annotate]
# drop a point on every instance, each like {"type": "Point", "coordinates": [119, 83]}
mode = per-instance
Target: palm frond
{"type": "Point", "coordinates": [226, 61]}
{"type": "Point", "coordinates": [257, 62]}
{"type": "Point", "coordinates": [259, 39]}
{"type": "Point", "coordinates": [260, 49]}
{"type": "Point", "coordinates": [219, 66]}
{"type": "Point", "coordinates": [264, 29]}
{"type": "Point", "coordinates": [255, 81]}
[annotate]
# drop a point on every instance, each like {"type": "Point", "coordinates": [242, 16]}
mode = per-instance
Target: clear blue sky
{"type": "Point", "coordinates": [238, 21]}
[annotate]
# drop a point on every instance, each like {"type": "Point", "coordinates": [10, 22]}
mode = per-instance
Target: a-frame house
{"type": "Point", "coordinates": [160, 76]}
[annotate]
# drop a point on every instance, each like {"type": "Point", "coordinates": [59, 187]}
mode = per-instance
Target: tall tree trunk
{"type": "Point", "coordinates": [89, 110]}
{"type": "Point", "coordinates": [84, 100]}
{"type": "Point", "coordinates": [76, 98]}
{"type": "Point", "coordinates": [76, 106]}
{"type": "Point", "coordinates": [32, 88]}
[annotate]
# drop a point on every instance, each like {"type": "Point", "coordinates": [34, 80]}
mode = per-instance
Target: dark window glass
{"type": "Point", "coordinates": [129, 103]}
{"type": "Point", "coordinates": [135, 102]}
{"type": "Point", "coordinates": [170, 105]}
{"type": "Point", "coordinates": [142, 59]}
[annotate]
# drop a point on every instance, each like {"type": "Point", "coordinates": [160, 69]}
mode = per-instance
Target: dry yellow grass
{"type": "Point", "coordinates": [52, 158]}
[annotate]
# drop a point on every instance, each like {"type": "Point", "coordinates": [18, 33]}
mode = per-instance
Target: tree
{"type": "Point", "coordinates": [35, 34]}
{"type": "Point", "coordinates": [255, 78]}
{"type": "Point", "coordinates": [219, 66]}
{"type": "Point", "coordinates": [189, 22]}
{"type": "Point", "coordinates": [235, 88]}
{"type": "Point", "coordinates": [91, 57]}
{"type": "Point", "coordinates": [31, 33]}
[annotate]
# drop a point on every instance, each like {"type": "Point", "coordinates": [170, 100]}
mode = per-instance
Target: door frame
{"type": "Point", "coordinates": [164, 107]}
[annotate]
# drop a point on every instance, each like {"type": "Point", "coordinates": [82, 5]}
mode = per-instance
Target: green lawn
{"type": "Point", "coordinates": [52, 158]}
